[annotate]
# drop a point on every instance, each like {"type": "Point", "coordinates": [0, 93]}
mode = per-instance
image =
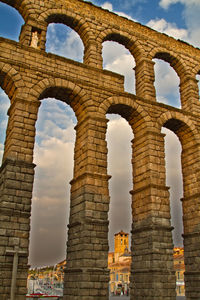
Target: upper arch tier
{"type": "Point", "coordinates": [96, 25]}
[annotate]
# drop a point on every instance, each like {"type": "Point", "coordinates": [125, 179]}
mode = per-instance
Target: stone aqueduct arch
{"type": "Point", "coordinates": [28, 75]}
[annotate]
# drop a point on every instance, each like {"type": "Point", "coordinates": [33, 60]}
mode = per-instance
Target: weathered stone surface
{"type": "Point", "coordinates": [28, 74]}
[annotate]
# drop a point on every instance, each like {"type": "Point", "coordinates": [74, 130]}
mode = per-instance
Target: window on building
{"type": "Point", "coordinates": [178, 275]}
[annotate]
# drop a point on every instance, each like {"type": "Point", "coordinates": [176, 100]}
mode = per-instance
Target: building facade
{"type": "Point", "coordinates": [119, 264]}
{"type": "Point", "coordinates": [179, 267]}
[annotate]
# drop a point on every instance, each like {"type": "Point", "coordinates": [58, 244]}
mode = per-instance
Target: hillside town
{"type": "Point", "coordinates": [50, 280]}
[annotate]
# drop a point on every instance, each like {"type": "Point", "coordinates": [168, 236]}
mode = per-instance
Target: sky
{"type": "Point", "coordinates": [54, 145]}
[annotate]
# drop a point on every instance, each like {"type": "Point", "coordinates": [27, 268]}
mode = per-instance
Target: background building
{"type": "Point", "coordinates": [179, 267]}
{"type": "Point", "coordinates": [119, 264]}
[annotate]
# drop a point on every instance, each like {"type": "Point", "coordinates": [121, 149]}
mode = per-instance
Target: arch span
{"type": "Point", "coordinates": [11, 81]}
{"type": "Point", "coordinates": [64, 90]}
{"type": "Point", "coordinates": [128, 108]}
{"type": "Point", "coordinates": [175, 121]}
{"type": "Point", "coordinates": [175, 61]}
{"type": "Point", "coordinates": [130, 42]}
{"type": "Point", "coordinates": [185, 70]}
{"type": "Point", "coordinates": [70, 19]}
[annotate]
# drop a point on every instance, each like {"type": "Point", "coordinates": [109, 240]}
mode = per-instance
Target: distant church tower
{"type": "Point", "coordinates": [121, 243]}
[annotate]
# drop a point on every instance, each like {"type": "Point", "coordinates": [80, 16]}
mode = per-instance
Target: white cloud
{"type": "Point", "coordinates": [192, 19]}
{"type": "Point", "coordinates": [118, 59]}
{"type": "Point", "coordinates": [170, 29]}
{"type": "Point", "coordinates": [4, 106]}
{"type": "Point", "coordinates": [64, 41]}
{"type": "Point", "coordinates": [108, 6]}
{"type": "Point", "coordinates": [174, 181]}
{"type": "Point", "coordinates": [1, 151]}
{"type": "Point", "coordinates": [191, 12]}
{"type": "Point", "coordinates": [54, 150]}
{"type": "Point", "coordinates": [119, 136]}
{"type": "Point", "coordinates": [166, 84]}
{"type": "Point", "coordinates": [53, 156]}
{"type": "Point", "coordinates": [166, 3]}
{"type": "Point", "coordinates": [56, 119]}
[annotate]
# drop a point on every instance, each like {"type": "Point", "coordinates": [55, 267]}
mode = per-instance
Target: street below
{"type": "Point", "coordinates": [128, 298]}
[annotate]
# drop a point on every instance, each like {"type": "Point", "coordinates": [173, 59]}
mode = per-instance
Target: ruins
{"type": "Point", "coordinates": [27, 75]}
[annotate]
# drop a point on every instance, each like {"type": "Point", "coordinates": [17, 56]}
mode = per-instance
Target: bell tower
{"type": "Point", "coordinates": [121, 243]}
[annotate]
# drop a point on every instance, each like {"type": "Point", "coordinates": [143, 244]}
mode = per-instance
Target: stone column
{"type": "Point", "coordinates": [16, 182]}
{"type": "Point", "coordinates": [152, 274]}
{"type": "Point", "coordinates": [189, 94]}
{"type": "Point", "coordinates": [191, 219]}
{"type": "Point", "coordinates": [144, 75]}
{"type": "Point", "coordinates": [86, 275]}
{"type": "Point", "coordinates": [93, 54]}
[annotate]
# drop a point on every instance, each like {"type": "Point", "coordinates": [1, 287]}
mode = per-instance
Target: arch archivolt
{"type": "Point", "coordinates": [127, 108]}
{"type": "Point", "coordinates": [132, 43]}
{"type": "Point", "coordinates": [175, 60]}
{"type": "Point", "coordinates": [11, 81]}
{"type": "Point", "coordinates": [64, 90]}
{"type": "Point", "coordinates": [68, 18]}
{"type": "Point", "coordinates": [173, 115]}
{"type": "Point", "coordinates": [182, 126]}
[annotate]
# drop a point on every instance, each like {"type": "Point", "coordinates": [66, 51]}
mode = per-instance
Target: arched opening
{"type": "Point", "coordinates": [166, 83]}
{"type": "Point", "coordinates": [10, 22]}
{"type": "Point", "coordinates": [198, 81]}
{"type": "Point", "coordinates": [119, 136]}
{"type": "Point", "coordinates": [118, 59]}
{"type": "Point", "coordinates": [174, 180]}
{"type": "Point", "coordinates": [53, 156]}
{"type": "Point", "coordinates": [4, 104]}
{"type": "Point", "coordinates": [62, 39]}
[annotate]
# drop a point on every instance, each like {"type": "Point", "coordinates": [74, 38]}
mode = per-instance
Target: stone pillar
{"type": "Point", "coordinates": [152, 274]}
{"type": "Point", "coordinates": [16, 182]}
{"type": "Point", "coordinates": [145, 77]}
{"type": "Point", "coordinates": [93, 54]}
{"type": "Point", "coordinates": [189, 94]}
{"type": "Point", "coordinates": [86, 275]}
{"type": "Point", "coordinates": [191, 219]}
{"type": "Point", "coordinates": [28, 30]}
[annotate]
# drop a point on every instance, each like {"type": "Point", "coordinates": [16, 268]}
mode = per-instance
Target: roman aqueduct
{"type": "Point", "coordinates": [27, 75]}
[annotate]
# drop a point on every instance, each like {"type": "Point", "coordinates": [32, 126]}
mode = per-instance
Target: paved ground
{"type": "Point", "coordinates": [119, 298]}
{"type": "Point", "coordinates": [127, 298]}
